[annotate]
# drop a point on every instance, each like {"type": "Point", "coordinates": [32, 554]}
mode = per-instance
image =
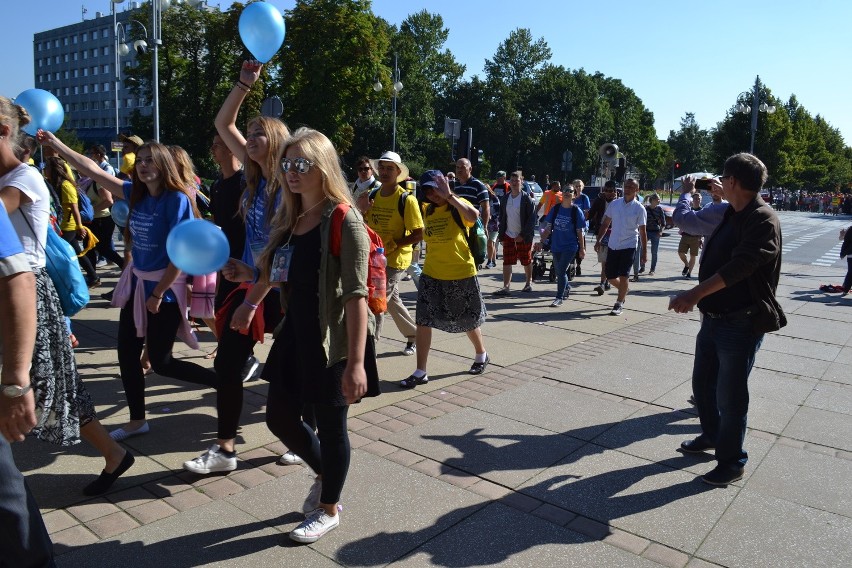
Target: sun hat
{"type": "Point", "coordinates": [132, 139]}
{"type": "Point", "coordinates": [394, 158]}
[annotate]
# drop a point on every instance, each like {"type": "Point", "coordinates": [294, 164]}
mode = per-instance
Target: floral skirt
{"type": "Point", "coordinates": [454, 306]}
{"type": "Point", "coordinates": [63, 405]}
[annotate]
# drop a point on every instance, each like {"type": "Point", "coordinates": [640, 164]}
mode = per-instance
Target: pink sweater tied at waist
{"type": "Point", "coordinates": [140, 313]}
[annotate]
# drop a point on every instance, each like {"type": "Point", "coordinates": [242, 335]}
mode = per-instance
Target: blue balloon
{"type": "Point", "coordinates": [45, 110]}
{"type": "Point", "coordinates": [197, 247]}
{"type": "Point", "coordinates": [262, 30]}
{"type": "Point", "coordinates": [120, 212]}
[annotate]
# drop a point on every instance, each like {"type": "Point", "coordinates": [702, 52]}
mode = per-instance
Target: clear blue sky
{"type": "Point", "coordinates": [678, 56]}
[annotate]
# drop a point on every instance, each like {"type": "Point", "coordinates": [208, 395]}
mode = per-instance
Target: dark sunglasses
{"type": "Point", "coordinates": [301, 165]}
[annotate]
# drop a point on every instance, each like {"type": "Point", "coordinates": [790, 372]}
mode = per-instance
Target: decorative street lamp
{"type": "Point", "coordinates": [397, 87]}
{"type": "Point", "coordinates": [756, 105]}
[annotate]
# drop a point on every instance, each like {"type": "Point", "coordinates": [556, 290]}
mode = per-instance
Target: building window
{"type": "Point", "coordinates": [38, 46]}
{"type": "Point", "coordinates": [85, 106]}
{"type": "Point", "coordinates": [56, 76]}
{"type": "Point", "coordinates": [74, 107]}
{"type": "Point", "coordinates": [85, 37]}
{"type": "Point", "coordinates": [85, 72]}
{"type": "Point", "coordinates": [95, 105]}
{"type": "Point", "coordinates": [76, 56]}
{"type": "Point", "coordinates": [75, 38]}
{"type": "Point", "coordinates": [76, 73]}
{"type": "Point", "coordinates": [129, 103]}
{"type": "Point", "coordinates": [65, 41]}
{"type": "Point", "coordinates": [66, 90]}
{"type": "Point", "coordinates": [105, 69]}
{"type": "Point", "coordinates": [85, 54]}
{"type": "Point", "coordinates": [96, 88]}
{"type": "Point", "coordinates": [118, 103]}
{"type": "Point", "coordinates": [76, 90]}
{"type": "Point", "coordinates": [95, 70]}
{"type": "Point", "coordinates": [66, 74]}
{"type": "Point", "coordinates": [65, 58]}
{"type": "Point", "coordinates": [67, 107]}
{"type": "Point", "coordinates": [85, 89]}
{"type": "Point", "coordinates": [94, 52]}
{"type": "Point", "coordinates": [105, 50]}
{"type": "Point", "coordinates": [56, 43]}
{"type": "Point", "coordinates": [39, 62]}
{"type": "Point", "coordinates": [87, 123]}
{"type": "Point", "coordinates": [94, 34]}
{"type": "Point", "coordinates": [107, 105]}
{"type": "Point", "coordinates": [56, 59]}
{"type": "Point", "coordinates": [106, 87]}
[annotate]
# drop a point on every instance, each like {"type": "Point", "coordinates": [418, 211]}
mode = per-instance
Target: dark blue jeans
{"type": "Point", "coordinates": [561, 260]}
{"type": "Point", "coordinates": [654, 241]}
{"type": "Point", "coordinates": [724, 355]}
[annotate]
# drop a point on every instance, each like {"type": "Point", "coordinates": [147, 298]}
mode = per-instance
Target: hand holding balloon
{"type": "Point", "coordinates": [250, 72]}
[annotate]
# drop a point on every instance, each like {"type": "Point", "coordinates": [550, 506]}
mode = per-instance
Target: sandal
{"type": "Point", "coordinates": [412, 381]}
{"type": "Point", "coordinates": [212, 354]}
{"type": "Point", "coordinates": [75, 343]}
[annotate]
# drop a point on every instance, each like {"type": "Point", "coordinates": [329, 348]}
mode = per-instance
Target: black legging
{"type": "Point", "coordinates": [77, 245]}
{"type": "Point", "coordinates": [103, 228]}
{"type": "Point", "coordinates": [327, 453]}
{"type": "Point", "coordinates": [847, 282]}
{"type": "Point", "coordinates": [232, 352]}
{"type": "Point", "coordinates": [162, 330]}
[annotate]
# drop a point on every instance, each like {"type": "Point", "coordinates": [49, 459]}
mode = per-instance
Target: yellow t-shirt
{"type": "Point", "coordinates": [384, 218]}
{"type": "Point", "coordinates": [128, 162]}
{"type": "Point", "coordinates": [448, 256]}
{"type": "Point", "coordinates": [68, 196]}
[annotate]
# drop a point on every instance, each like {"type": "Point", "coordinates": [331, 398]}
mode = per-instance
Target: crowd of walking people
{"type": "Point", "coordinates": [302, 266]}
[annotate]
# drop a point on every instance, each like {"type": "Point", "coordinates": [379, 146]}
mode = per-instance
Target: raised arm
{"type": "Point", "coordinates": [226, 119]}
{"type": "Point", "coordinates": [85, 166]}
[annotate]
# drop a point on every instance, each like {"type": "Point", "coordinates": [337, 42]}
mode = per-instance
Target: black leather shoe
{"type": "Point", "coordinates": [479, 368]}
{"type": "Point", "coordinates": [697, 446]}
{"type": "Point", "coordinates": [723, 475]}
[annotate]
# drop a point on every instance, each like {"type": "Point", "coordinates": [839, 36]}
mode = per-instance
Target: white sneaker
{"type": "Point", "coordinates": [617, 309]}
{"type": "Point", "coordinates": [410, 349]}
{"type": "Point", "coordinates": [211, 461]}
{"type": "Point", "coordinates": [290, 459]}
{"type": "Point", "coordinates": [250, 368]}
{"type": "Point", "coordinates": [556, 303]}
{"type": "Point", "coordinates": [312, 501]}
{"type": "Point", "coordinates": [314, 527]}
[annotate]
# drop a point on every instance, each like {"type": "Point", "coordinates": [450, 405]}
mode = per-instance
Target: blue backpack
{"type": "Point", "coordinates": [84, 204]}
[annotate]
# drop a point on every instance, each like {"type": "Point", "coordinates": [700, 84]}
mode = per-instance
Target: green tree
{"type": "Point", "coordinates": [692, 146]}
{"type": "Point", "coordinates": [332, 53]}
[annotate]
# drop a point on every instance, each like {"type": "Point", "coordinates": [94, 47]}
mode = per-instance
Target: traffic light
{"type": "Point", "coordinates": [677, 166]}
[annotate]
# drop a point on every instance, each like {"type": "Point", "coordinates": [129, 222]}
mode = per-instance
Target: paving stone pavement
{"type": "Point", "coordinates": [561, 454]}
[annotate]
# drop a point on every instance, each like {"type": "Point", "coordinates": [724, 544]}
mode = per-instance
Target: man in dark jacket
{"type": "Point", "coordinates": [738, 277]}
{"type": "Point", "coordinates": [516, 231]}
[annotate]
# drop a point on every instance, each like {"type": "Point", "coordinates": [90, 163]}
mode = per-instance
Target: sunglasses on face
{"type": "Point", "coordinates": [300, 165]}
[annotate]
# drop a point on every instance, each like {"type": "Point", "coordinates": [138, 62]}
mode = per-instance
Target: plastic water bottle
{"type": "Point", "coordinates": [378, 300]}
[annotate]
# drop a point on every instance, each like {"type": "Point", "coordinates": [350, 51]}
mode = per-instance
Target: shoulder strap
{"type": "Point", "coordinates": [334, 236]}
{"type": "Point", "coordinates": [457, 218]}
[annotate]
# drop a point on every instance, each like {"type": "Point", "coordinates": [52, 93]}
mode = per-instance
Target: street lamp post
{"type": "Point", "coordinates": [397, 87]}
{"type": "Point", "coordinates": [117, 73]}
{"type": "Point", "coordinates": [756, 106]}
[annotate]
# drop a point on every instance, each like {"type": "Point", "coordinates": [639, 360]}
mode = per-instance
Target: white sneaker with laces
{"type": "Point", "coordinates": [211, 461]}
{"type": "Point", "coordinates": [410, 348]}
{"type": "Point", "coordinates": [556, 303]}
{"type": "Point", "coordinates": [315, 526]}
{"type": "Point", "coordinates": [290, 458]}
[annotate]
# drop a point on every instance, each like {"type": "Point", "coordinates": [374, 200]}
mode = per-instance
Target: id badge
{"type": "Point", "coordinates": [281, 264]}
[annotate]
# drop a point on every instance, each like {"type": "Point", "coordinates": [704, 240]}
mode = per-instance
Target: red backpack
{"type": "Point", "coordinates": [376, 300]}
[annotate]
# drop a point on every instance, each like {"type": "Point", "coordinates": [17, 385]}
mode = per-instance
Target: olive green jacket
{"type": "Point", "coordinates": [340, 279]}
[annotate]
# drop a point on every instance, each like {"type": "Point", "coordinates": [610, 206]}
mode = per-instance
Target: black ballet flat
{"type": "Point", "coordinates": [105, 480]}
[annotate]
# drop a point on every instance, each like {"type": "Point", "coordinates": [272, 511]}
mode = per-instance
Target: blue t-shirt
{"type": "Point", "coordinates": [564, 222]}
{"type": "Point", "coordinates": [151, 220]}
{"type": "Point", "coordinates": [584, 204]}
{"type": "Point", "coordinates": [257, 223]}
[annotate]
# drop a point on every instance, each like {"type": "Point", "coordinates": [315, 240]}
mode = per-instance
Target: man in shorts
{"type": "Point", "coordinates": [517, 229]}
{"type": "Point", "coordinates": [689, 243]}
{"type": "Point", "coordinates": [627, 218]}
{"type": "Point", "coordinates": [595, 218]}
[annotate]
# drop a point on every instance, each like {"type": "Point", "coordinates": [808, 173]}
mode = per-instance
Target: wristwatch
{"type": "Point", "coordinates": [15, 391]}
